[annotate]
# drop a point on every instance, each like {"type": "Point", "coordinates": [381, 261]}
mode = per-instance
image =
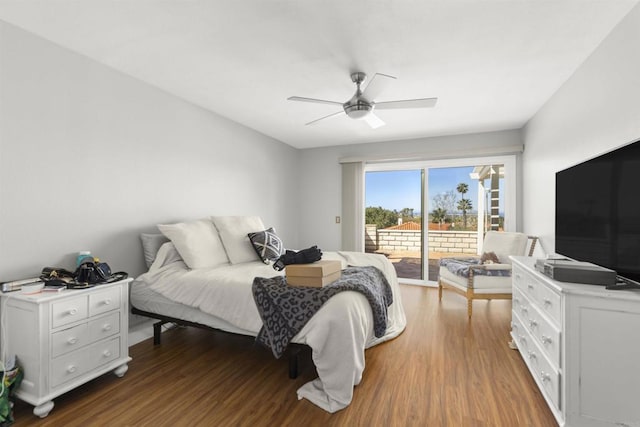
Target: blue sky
{"type": "Point", "coordinates": [396, 190]}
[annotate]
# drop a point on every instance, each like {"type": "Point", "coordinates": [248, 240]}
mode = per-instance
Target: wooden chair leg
{"type": "Point", "coordinates": [439, 291]}
{"type": "Point", "coordinates": [469, 307]}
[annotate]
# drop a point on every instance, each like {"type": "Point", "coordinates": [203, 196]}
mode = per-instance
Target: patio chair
{"type": "Point", "coordinates": [487, 277]}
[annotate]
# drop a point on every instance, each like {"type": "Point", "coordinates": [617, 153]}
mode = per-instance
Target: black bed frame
{"type": "Point", "coordinates": [293, 351]}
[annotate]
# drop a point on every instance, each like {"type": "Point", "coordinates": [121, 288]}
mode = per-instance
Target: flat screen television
{"type": "Point", "coordinates": [598, 211]}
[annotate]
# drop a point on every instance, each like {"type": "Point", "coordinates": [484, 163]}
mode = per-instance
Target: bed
{"type": "Point", "coordinates": [220, 296]}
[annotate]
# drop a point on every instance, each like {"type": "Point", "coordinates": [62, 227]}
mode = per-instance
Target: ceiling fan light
{"type": "Point", "coordinates": [357, 110]}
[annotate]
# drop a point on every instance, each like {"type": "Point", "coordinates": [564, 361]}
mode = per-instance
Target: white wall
{"type": "Point", "coordinates": [595, 111]}
{"type": "Point", "coordinates": [89, 158]}
{"type": "Point", "coordinates": [321, 179]}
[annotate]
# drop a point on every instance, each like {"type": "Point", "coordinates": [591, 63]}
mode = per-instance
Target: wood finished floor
{"type": "Point", "coordinates": [442, 371]}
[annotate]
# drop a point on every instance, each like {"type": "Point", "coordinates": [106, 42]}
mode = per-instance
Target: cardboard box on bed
{"type": "Point", "coordinates": [317, 274]}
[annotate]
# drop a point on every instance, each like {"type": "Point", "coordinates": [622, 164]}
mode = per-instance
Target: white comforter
{"type": "Point", "coordinates": [338, 333]}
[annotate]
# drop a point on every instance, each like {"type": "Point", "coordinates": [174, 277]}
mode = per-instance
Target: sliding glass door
{"type": "Point", "coordinates": [393, 218]}
{"type": "Point", "coordinates": [416, 213]}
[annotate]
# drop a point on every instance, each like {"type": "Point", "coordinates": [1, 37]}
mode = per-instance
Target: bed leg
{"type": "Point", "coordinates": [157, 329]}
{"type": "Point", "coordinates": [294, 351]}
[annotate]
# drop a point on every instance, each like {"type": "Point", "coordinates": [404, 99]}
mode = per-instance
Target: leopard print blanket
{"type": "Point", "coordinates": [286, 309]}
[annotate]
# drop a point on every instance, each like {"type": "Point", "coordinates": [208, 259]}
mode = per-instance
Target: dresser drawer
{"type": "Point", "coordinates": [545, 333]}
{"type": "Point", "coordinates": [69, 366]}
{"type": "Point", "coordinates": [540, 295]}
{"type": "Point", "coordinates": [104, 326]}
{"type": "Point", "coordinates": [520, 305]}
{"type": "Point", "coordinates": [104, 352]}
{"type": "Point", "coordinates": [520, 334]}
{"type": "Point", "coordinates": [72, 365]}
{"type": "Point", "coordinates": [549, 303]}
{"type": "Point", "coordinates": [547, 376]}
{"type": "Point", "coordinates": [541, 328]}
{"type": "Point", "coordinates": [68, 310]}
{"type": "Point", "coordinates": [69, 339]}
{"type": "Point", "coordinates": [104, 301]}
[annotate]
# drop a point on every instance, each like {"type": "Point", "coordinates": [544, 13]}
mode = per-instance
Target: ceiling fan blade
{"type": "Point", "coordinates": [376, 86]}
{"type": "Point", "coordinates": [374, 121]}
{"type": "Point", "coordinates": [339, 113]}
{"type": "Point", "coordinates": [315, 101]}
{"type": "Point", "coordinates": [408, 103]}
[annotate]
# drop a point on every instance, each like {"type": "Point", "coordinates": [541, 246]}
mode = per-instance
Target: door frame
{"type": "Point", "coordinates": [510, 194]}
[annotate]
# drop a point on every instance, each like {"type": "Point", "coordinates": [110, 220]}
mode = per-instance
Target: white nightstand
{"type": "Point", "coordinates": [64, 339]}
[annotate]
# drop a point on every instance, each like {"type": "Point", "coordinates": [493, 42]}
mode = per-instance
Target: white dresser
{"type": "Point", "coordinates": [582, 346]}
{"type": "Point", "coordinates": [65, 339]}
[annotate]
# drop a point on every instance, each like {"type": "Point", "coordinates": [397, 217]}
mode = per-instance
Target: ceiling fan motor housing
{"type": "Point", "coordinates": [358, 107]}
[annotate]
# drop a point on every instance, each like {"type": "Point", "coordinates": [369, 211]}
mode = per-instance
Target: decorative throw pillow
{"type": "Point", "coordinates": [197, 243]}
{"type": "Point", "coordinates": [267, 244]}
{"type": "Point", "coordinates": [233, 233]}
{"type": "Point", "coordinates": [489, 258]}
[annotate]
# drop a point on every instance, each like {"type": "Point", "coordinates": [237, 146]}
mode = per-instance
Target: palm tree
{"type": "Point", "coordinates": [464, 204]}
{"type": "Point", "coordinates": [439, 215]}
{"type": "Point", "coordinates": [462, 188]}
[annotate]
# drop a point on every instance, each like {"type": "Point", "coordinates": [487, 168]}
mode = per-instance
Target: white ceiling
{"type": "Point", "coordinates": [491, 63]}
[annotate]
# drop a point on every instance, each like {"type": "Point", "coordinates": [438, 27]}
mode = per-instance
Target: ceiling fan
{"type": "Point", "coordinates": [362, 104]}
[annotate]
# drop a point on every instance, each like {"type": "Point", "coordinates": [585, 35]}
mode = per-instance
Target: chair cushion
{"type": "Point", "coordinates": [503, 244]}
{"type": "Point", "coordinates": [461, 266]}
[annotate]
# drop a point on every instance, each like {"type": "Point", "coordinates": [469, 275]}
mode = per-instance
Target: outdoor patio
{"type": "Point", "coordinates": [408, 263]}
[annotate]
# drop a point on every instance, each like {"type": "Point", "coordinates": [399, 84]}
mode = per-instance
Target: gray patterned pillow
{"type": "Point", "coordinates": [267, 244]}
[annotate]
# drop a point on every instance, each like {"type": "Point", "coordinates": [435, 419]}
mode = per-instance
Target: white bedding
{"type": "Point", "coordinates": [338, 333]}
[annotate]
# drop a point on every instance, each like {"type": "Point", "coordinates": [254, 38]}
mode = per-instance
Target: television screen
{"type": "Point", "coordinates": [598, 211]}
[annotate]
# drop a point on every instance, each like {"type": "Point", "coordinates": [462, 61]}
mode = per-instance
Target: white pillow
{"type": "Point", "coordinates": [197, 243]}
{"type": "Point", "coordinates": [151, 243]}
{"type": "Point", "coordinates": [167, 254]}
{"type": "Point", "coordinates": [234, 232]}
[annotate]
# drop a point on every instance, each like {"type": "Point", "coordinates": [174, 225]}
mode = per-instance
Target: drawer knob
{"type": "Point", "coordinates": [73, 311]}
{"type": "Point", "coordinates": [522, 338]}
{"type": "Point", "coordinates": [107, 301]}
{"type": "Point", "coordinates": [530, 286]}
{"type": "Point", "coordinates": [71, 369]}
{"type": "Point", "coordinates": [106, 353]}
{"type": "Point", "coordinates": [532, 355]}
{"type": "Point", "coordinates": [544, 376]}
{"type": "Point", "coordinates": [106, 327]}
{"type": "Point", "coordinates": [547, 302]}
{"type": "Point", "coordinates": [72, 340]}
{"type": "Point", "coordinates": [533, 323]}
{"type": "Point", "coordinates": [524, 310]}
{"type": "Point", "coordinates": [546, 339]}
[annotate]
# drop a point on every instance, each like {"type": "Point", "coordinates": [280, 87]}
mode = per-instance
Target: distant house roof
{"type": "Point", "coordinates": [406, 226]}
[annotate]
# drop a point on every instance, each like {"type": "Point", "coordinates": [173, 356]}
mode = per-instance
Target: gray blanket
{"type": "Point", "coordinates": [286, 309]}
{"type": "Point", "coordinates": [461, 267]}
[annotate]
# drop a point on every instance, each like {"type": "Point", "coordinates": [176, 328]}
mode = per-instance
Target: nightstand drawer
{"type": "Point", "coordinates": [68, 367]}
{"type": "Point", "coordinates": [69, 339]}
{"type": "Point", "coordinates": [68, 310]}
{"type": "Point", "coordinates": [104, 352]}
{"type": "Point", "coordinates": [103, 301]}
{"type": "Point", "coordinates": [104, 326]}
